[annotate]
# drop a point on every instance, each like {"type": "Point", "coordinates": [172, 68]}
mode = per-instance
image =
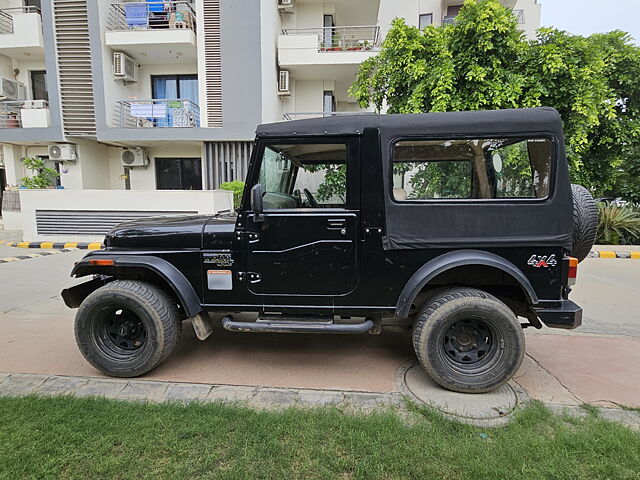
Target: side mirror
{"type": "Point", "coordinates": [257, 204]}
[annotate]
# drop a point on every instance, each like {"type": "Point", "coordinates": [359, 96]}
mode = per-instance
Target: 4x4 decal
{"type": "Point", "coordinates": [543, 261]}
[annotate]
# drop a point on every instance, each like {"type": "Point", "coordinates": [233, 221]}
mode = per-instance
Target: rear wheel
{"type": "Point", "coordinates": [127, 328]}
{"type": "Point", "coordinates": [468, 341]}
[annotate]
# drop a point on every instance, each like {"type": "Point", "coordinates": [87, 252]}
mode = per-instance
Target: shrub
{"type": "Point", "coordinates": [237, 187]}
{"type": "Point", "coordinates": [45, 176]}
{"type": "Point", "coordinates": [618, 225]}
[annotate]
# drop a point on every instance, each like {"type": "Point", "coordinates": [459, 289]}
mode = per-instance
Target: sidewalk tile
{"type": "Point", "coordinates": [186, 392]}
{"type": "Point", "coordinates": [21, 384]}
{"type": "Point", "coordinates": [62, 385]}
{"type": "Point", "coordinates": [274, 397]}
{"type": "Point", "coordinates": [231, 393]}
{"type": "Point", "coordinates": [102, 388]}
{"type": "Point", "coordinates": [143, 391]}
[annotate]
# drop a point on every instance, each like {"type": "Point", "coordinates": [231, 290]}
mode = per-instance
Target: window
{"type": "Point", "coordinates": [304, 176]}
{"type": "Point", "coordinates": [39, 85]}
{"type": "Point", "coordinates": [472, 169]}
{"type": "Point", "coordinates": [425, 20]}
{"type": "Point", "coordinates": [182, 87]}
{"type": "Point", "coordinates": [179, 173]}
{"type": "Point", "coordinates": [37, 4]}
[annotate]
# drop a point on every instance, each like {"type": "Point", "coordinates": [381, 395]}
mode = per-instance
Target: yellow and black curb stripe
{"type": "Point", "coordinates": [34, 255]}
{"type": "Point", "coordinates": [612, 254]}
{"type": "Point", "coordinates": [56, 245]}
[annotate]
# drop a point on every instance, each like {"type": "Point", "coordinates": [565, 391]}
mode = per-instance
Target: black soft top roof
{"type": "Point", "coordinates": [542, 119]}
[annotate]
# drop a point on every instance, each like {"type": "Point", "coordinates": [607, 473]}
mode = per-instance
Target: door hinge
{"type": "Point", "coordinates": [251, 277]}
{"type": "Point", "coordinates": [251, 236]}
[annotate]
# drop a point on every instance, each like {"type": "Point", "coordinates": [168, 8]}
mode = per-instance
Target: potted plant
{"type": "Point", "coordinates": [45, 177]}
{"type": "Point", "coordinates": [336, 42]}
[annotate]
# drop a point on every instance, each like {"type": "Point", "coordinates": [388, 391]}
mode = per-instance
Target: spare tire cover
{"type": "Point", "coordinates": [585, 222]}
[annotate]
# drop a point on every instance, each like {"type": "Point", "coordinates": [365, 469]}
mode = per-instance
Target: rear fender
{"type": "Point", "coordinates": [173, 278]}
{"type": "Point", "coordinates": [459, 258]}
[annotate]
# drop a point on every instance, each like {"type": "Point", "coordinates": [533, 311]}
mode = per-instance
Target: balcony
{"type": "Point", "coordinates": [309, 51]}
{"type": "Point", "coordinates": [156, 113]}
{"type": "Point", "coordinates": [164, 31]}
{"type": "Point", "coordinates": [24, 114]}
{"type": "Point", "coordinates": [21, 33]}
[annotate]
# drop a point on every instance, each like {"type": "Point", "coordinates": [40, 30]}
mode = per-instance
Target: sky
{"type": "Point", "coordinates": [584, 17]}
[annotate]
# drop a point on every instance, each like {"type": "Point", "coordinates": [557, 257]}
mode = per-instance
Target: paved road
{"type": "Point", "coordinates": [36, 336]}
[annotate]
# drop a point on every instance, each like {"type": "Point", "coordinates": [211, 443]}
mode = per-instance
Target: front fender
{"type": "Point", "coordinates": [459, 258]}
{"type": "Point", "coordinates": [171, 275]}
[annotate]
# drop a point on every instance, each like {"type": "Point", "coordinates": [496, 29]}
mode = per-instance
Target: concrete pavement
{"type": "Point", "coordinates": [561, 368]}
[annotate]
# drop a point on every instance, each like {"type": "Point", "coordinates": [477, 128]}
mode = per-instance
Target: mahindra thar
{"type": "Point", "coordinates": [460, 229]}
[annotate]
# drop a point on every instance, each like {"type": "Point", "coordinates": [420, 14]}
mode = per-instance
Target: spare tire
{"type": "Point", "coordinates": [585, 222]}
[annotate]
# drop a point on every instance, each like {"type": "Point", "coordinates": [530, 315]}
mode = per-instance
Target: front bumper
{"type": "Point", "coordinates": [566, 314]}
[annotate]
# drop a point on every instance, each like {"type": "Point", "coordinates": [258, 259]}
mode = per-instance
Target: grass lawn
{"type": "Point", "coordinates": [90, 438]}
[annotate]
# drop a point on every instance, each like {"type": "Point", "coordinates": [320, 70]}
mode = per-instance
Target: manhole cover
{"type": "Point", "coordinates": [480, 406]}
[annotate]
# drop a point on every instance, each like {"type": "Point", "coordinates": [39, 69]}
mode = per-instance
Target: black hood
{"type": "Point", "coordinates": [183, 231]}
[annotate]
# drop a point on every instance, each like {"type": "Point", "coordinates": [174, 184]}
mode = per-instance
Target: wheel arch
{"type": "Point", "coordinates": [460, 258]}
{"type": "Point", "coordinates": [133, 266]}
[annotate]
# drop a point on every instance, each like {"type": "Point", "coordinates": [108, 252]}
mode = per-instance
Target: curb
{"type": "Point", "coordinates": [612, 254]}
{"type": "Point", "coordinates": [56, 245]}
{"type": "Point", "coordinates": [21, 384]}
{"type": "Point", "coordinates": [34, 255]}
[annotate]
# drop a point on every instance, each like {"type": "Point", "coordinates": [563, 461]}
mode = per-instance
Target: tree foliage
{"type": "Point", "coordinates": [483, 62]}
{"type": "Point", "coordinates": [44, 176]}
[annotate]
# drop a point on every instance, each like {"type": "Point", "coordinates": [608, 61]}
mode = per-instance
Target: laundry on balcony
{"type": "Point", "coordinates": [149, 110]}
{"type": "Point", "coordinates": [136, 15]}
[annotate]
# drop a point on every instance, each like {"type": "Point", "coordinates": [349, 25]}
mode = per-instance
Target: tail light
{"type": "Point", "coordinates": [573, 270]}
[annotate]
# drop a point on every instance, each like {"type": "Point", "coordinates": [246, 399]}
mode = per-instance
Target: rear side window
{"type": "Point", "coordinates": [499, 168]}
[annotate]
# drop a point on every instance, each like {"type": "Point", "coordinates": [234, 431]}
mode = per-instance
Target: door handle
{"type": "Point", "coordinates": [337, 224]}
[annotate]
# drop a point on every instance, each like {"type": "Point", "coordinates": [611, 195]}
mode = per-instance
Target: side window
{"type": "Point", "coordinates": [304, 175]}
{"type": "Point", "coordinates": [472, 169]}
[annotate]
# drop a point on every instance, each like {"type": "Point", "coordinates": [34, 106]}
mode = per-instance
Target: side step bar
{"type": "Point", "coordinates": [289, 326]}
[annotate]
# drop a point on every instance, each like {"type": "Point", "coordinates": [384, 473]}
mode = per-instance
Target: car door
{"type": "Point", "coordinates": [305, 242]}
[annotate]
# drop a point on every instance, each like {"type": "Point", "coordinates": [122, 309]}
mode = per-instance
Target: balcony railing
{"type": "Point", "coordinates": [6, 23]}
{"type": "Point", "coordinates": [10, 114]}
{"type": "Point", "coordinates": [341, 39]}
{"type": "Point", "coordinates": [151, 16]}
{"type": "Point", "coordinates": [301, 115]}
{"type": "Point", "coordinates": [164, 113]}
{"type": "Point", "coordinates": [6, 17]}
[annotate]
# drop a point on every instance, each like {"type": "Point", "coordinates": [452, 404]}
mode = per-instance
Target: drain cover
{"type": "Point", "coordinates": [477, 406]}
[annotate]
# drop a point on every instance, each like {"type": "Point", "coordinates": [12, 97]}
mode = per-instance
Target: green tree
{"type": "Point", "coordinates": [44, 177]}
{"type": "Point", "coordinates": [483, 61]}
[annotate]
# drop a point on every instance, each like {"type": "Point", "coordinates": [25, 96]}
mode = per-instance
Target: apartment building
{"type": "Point", "coordinates": [165, 95]}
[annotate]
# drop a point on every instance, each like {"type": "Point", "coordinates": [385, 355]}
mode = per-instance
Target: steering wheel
{"type": "Point", "coordinates": [310, 199]}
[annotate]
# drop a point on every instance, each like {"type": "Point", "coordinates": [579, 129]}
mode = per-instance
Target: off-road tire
{"type": "Point", "coordinates": [447, 309]}
{"type": "Point", "coordinates": [155, 311]}
{"type": "Point", "coordinates": [585, 222]}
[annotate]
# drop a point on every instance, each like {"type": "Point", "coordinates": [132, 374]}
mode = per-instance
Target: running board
{"type": "Point", "coordinates": [295, 326]}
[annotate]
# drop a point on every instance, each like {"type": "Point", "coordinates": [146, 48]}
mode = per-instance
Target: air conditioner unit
{"type": "Point", "coordinates": [63, 152]}
{"type": "Point", "coordinates": [134, 157]}
{"type": "Point", "coordinates": [283, 82]}
{"type": "Point", "coordinates": [33, 104]}
{"type": "Point", "coordinates": [11, 89]}
{"type": "Point", "coordinates": [124, 67]}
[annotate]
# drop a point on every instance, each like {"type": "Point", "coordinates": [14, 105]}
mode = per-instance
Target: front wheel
{"type": "Point", "coordinates": [468, 341]}
{"type": "Point", "coordinates": [127, 328]}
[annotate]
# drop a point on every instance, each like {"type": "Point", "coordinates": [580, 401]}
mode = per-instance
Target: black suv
{"type": "Point", "coordinates": [451, 226]}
